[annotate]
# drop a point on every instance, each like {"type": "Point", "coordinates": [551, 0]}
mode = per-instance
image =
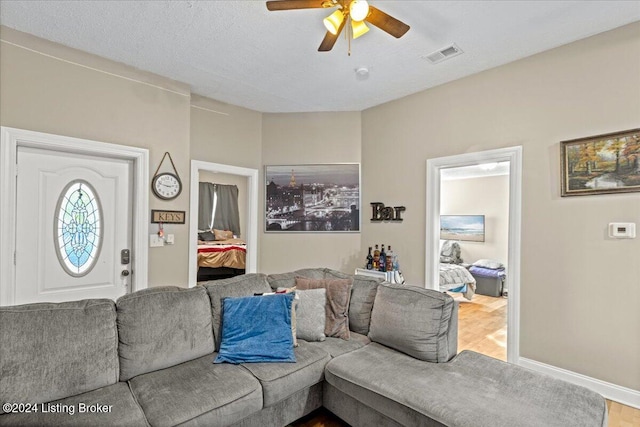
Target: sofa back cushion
{"type": "Point", "coordinates": [288, 280]}
{"type": "Point", "coordinates": [161, 327]}
{"type": "Point", "coordinates": [53, 350]}
{"type": "Point", "coordinates": [363, 294]}
{"type": "Point", "coordinates": [238, 286]}
{"type": "Point", "coordinates": [419, 322]}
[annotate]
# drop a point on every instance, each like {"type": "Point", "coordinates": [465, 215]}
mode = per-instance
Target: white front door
{"type": "Point", "coordinates": [73, 219]}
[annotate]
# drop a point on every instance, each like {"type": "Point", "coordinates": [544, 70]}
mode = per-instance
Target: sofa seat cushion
{"type": "Point", "coordinates": [280, 380]}
{"type": "Point", "coordinates": [337, 346]}
{"type": "Point", "coordinates": [472, 390]}
{"type": "Point", "coordinates": [50, 351]}
{"type": "Point", "coordinates": [160, 327]}
{"type": "Point", "coordinates": [113, 405]}
{"type": "Point", "coordinates": [198, 392]}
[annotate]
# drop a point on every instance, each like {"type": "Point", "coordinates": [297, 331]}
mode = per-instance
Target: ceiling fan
{"type": "Point", "coordinates": [354, 12]}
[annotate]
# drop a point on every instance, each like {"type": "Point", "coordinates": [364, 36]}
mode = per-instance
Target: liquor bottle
{"type": "Point", "coordinates": [396, 262]}
{"type": "Point", "coordinates": [383, 259]}
{"type": "Point", "coordinates": [376, 258]}
{"type": "Point", "coordinates": [369, 264]}
{"type": "Point", "coordinates": [390, 257]}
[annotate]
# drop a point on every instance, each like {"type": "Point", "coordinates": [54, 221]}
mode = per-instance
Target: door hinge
{"type": "Point", "coordinates": [14, 258]}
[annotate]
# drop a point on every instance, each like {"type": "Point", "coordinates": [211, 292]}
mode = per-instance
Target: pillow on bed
{"type": "Point", "coordinates": [206, 236]}
{"type": "Point", "coordinates": [223, 234]}
{"type": "Point", "coordinates": [489, 263]}
{"type": "Point", "coordinates": [257, 329]}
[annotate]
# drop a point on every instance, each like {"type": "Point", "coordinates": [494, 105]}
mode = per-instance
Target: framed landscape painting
{"type": "Point", "coordinates": [601, 164]}
{"type": "Point", "coordinates": [312, 198]}
{"type": "Point", "coordinates": [462, 227]}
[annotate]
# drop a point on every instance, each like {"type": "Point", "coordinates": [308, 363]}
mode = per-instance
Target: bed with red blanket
{"type": "Point", "coordinates": [221, 258]}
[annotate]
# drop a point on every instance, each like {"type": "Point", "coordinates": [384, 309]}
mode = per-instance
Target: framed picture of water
{"type": "Point", "coordinates": [601, 164]}
{"type": "Point", "coordinates": [312, 198]}
{"type": "Point", "coordinates": [469, 228]}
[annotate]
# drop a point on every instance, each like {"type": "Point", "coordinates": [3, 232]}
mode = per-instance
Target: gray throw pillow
{"type": "Point", "coordinates": [337, 304]}
{"type": "Point", "coordinates": [415, 321]}
{"type": "Point", "coordinates": [310, 315]}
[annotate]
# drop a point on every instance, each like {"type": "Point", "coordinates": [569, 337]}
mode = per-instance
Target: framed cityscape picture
{"type": "Point", "coordinates": [312, 198]}
{"type": "Point", "coordinates": [601, 164]}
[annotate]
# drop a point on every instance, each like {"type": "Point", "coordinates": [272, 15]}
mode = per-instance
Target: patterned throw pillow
{"type": "Point", "coordinates": [256, 329]}
{"type": "Point", "coordinates": [337, 304]}
{"type": "Point", "coordinates": [294, 310]}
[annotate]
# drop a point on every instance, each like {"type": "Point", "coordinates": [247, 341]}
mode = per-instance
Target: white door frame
{"type": "Point", "coordinates": [251, 235]}
{"type": "Point", "coordinates": [434, 166]}
{"type": "Point", "coordinates": [13, 138]}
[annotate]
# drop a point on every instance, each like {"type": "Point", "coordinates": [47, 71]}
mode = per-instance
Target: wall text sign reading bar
{"type": "Point", "coordinates": [386, 213]}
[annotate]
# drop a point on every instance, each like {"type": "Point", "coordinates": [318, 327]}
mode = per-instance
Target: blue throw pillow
{"type": "Point", "coordinates": [256, 329]}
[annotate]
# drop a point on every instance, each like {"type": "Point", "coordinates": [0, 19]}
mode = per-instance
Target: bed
{"type": "Point", "coordinates": [220, 259]}
{"type": "Point", "coordinates": [456, 278]}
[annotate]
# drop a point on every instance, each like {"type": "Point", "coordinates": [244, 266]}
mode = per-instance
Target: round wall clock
{"type": "Point", "coordinates": [166, 186]}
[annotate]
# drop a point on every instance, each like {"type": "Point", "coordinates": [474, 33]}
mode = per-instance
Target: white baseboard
{"type": "Point", "coordinates": [626, 396]}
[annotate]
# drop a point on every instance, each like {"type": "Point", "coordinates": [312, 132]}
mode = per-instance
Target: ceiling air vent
{"type": "Point", "coordinates": [444, 53]}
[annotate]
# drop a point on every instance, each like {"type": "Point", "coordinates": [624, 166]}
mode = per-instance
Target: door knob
{"type": "Point", "coordinates": [125, 273]}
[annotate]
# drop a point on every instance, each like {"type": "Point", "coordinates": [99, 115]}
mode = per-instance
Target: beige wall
{"type": "Point", "coordinates": [488, 196]}
{"type": "Point", "coordinates": [49, 88]}
{"type": "Point", "coordinates": [290, 139]}
{"type": "Point", "coordinates": [225, 134]}
{"type": "Point", "coordinates": [580, 290]}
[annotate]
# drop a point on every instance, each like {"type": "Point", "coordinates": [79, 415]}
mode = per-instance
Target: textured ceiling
{"type": "Point", "coordinates": [239, 53]}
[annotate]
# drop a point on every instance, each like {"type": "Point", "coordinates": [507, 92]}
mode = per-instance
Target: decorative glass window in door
{"type": "Point", "coordinates": [78, 228]}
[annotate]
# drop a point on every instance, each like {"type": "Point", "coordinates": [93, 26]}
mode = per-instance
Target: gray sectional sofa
{"type": "Point", "coordinates": [147, 360]}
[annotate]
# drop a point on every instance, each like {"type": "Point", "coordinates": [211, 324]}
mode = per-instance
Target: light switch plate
{"type": "Point", "coordinates": [170, 239]}
{"type": "Point", "coordinates": [155, 241]}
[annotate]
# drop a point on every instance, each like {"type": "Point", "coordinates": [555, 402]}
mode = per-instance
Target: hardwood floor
{"type": "Point", "coordinates": [482, 327]}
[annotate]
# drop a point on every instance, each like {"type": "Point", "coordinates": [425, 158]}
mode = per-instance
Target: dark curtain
{"type": "Point", "coordinates": [227, 215]}
{"type": "Point", "coordinates": [205, 205]}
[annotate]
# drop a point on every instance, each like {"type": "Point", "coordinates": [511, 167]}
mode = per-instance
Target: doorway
{"type": "Point", "coordinates": [250, 213]}
{"type": "Point", "coordinates": [72, 210]}
{"type": "Point", "coordinates": [513, 156]}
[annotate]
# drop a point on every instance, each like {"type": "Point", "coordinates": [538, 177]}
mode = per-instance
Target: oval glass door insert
{"type": "Point", "coordinates": [78, 228]}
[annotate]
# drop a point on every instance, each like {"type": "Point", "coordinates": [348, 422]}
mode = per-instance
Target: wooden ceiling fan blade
{"type": "Point", "coordinates": [294, 4]}
{"type": "Point", "coordinates": [330, 39]}
{"type": "Point", "coordinates": [386, 22]}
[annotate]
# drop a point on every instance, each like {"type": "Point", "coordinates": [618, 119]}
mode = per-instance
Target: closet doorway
{"type": "Point", "coordinates": [249, 216]}
{"type": "Point", "coordinates": [495, 235]}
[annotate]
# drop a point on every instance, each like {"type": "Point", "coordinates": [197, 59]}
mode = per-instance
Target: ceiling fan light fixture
{"type": "Point", "coordinates": [358, 10]}
{"type": "Point", "coordinates": [333, 21]}
{"type": "Point", "coordinates": [359, 28]}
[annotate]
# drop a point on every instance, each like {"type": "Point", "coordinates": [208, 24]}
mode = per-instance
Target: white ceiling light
{"type": "Point", "coordinates": [358, 10]}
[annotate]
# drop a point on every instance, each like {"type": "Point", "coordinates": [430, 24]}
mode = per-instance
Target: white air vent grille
{"type": "Point", "coordinates": [444, 53]}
